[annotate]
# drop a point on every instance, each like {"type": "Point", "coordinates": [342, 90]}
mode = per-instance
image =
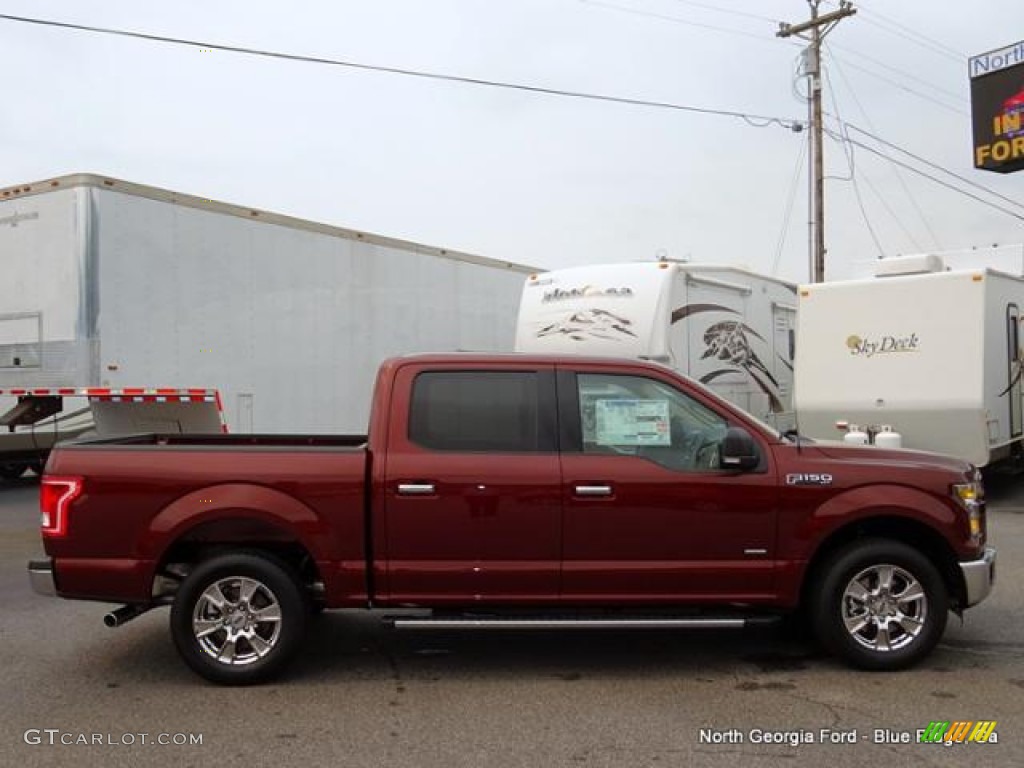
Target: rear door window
{"type": "Point", "coordinates": [479, 411]}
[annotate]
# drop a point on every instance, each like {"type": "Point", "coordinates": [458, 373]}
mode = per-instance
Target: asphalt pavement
{"type": "Point", "coordinates": [77, 693]}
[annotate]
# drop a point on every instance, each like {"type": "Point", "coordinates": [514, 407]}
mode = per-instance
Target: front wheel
{"type": "Point", "coordinates": [882, 605]}
{"type": "Point", "coordinates": [239, 618]}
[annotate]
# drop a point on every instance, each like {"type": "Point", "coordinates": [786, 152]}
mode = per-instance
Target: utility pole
{"type": "Point", "coordinates": [818, 26]}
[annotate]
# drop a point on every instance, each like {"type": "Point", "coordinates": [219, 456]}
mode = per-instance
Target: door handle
{"type": "Point", "coordinates": [593, 490]}
{"type": "Point", "coordinates": [416, 489]}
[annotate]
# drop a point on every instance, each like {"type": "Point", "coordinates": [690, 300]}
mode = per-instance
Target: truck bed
{"type": "Point", "coordinates": [142, 492]}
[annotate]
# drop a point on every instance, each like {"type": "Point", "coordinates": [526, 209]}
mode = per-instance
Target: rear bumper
{"type": "Point", "coordinates": [40, 576]}
{"type": "Point", "coordinates": [979, 576]}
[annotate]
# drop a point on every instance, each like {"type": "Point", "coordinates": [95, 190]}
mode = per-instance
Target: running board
{"type": "Point", "coordinates": [601, 623]}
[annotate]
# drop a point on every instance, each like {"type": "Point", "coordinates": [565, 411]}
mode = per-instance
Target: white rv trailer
{"type": "Point", "coordinates": [931, 353]}
{"type": "Point", "coordinates": [113, 285]}
{"type": "Point", "coordinates": [728, 328]}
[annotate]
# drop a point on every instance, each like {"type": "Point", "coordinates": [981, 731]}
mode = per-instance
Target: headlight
{"type": "Point", "coordinates": [972, 498]}
{"type": "Point", "coordinates": [967, 491]}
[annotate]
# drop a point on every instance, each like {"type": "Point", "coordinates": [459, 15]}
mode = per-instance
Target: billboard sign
{"type": "Point", "coordinates": [997, 109]}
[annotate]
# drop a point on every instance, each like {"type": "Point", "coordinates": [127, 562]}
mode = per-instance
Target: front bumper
{"type": "Point", "coordinates": [40, 576]}
{"type": "Point", "coordinates": [979, 576]}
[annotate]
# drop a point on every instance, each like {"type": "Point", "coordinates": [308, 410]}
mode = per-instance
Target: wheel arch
{"type": "Point", "coordinates": [895, 527]}
{"type": "Point", "coordinates": [229, 517]}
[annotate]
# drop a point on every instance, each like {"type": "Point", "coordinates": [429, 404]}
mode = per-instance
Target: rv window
{"type": "Point", "coordinates": [641, 417]}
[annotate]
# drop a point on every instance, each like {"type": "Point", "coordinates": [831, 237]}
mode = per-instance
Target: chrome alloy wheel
{"type": "Point", "coordinates": [237, 620]}
{"type": "Point", "coordinates": [884, 608]}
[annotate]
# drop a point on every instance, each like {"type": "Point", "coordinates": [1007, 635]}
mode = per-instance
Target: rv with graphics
{"type": "Point", "coordinates": [728, 328]}
{"type": "Point", "coordinates": [929, 353]}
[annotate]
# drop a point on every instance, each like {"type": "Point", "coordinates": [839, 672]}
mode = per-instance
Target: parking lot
{"type": "Point", "coordinates": [78, 693]}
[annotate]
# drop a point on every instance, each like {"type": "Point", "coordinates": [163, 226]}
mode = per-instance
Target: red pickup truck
{"type": "Point", "coordinates": [518, 492]}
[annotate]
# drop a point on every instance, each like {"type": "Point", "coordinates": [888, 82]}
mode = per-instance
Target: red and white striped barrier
{"type": "Point", "coordinates": [127, 395]}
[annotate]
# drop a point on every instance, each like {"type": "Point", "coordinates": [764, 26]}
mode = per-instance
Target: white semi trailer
{"type": "Point", "coordinates": [728, 328]}
{"type": "Point", "coordinates": [933, 354]}
{"type": "Point", "coordinates": [112, 291]}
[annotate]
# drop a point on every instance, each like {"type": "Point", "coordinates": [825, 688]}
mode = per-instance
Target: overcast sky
{"type": "Point", "coordinates": [538, 179]}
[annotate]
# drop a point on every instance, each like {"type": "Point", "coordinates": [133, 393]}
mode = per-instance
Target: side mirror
{"type": "Point", "coordinates": [739, 451]}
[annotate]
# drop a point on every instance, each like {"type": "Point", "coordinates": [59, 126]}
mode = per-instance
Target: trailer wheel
{"type": "Point", "coordinates": [12, 471]}
{"type": "Point", "coordinates": [882, 605]}
{"type": "Point", "coordinates": [238, 618]}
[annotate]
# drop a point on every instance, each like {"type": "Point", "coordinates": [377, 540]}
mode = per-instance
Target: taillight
{"type": "Point", "coordinates": [55, 496]}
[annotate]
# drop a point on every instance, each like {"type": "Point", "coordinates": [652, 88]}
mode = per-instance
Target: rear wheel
{"type": "Point", "coordinates": [882, 605]}
{"type": "Point", "coordinates": [239, 618]}
{"type": "Point", "coordinates": [12, 471]}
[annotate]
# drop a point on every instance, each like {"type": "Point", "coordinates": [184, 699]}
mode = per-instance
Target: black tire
{"type": "Point", "coordinates": [257, 628]}
{"type": "Point", "coordinates": [12, 472]}
{"type": "Point", "coordinates": [889, 628]}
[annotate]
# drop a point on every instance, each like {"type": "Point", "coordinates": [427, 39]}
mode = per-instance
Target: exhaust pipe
{"type": "Point", "coordinates": [124, 614]}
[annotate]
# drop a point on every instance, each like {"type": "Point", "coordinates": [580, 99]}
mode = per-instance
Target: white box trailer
{"type": "Point", "coordinates": [119, 286]}
{"type": "Point", "coordinates": [933, 354]}
{"type": "Point", "coordinates": [728, 328]}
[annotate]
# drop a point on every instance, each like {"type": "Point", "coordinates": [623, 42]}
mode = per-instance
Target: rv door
{"type": "Point", "coordinates": [1013, 369]}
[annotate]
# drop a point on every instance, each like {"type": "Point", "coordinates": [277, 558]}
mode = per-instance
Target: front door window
{"type": "Point", "coordinates": [642, 417]}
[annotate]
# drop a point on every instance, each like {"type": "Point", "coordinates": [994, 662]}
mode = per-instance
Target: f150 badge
{"type": "Point", "coordinates": [808, 479]}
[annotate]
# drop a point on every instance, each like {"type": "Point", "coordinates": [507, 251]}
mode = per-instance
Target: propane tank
{"type": "Point", "coordinates": [888, 438]}
{"type": "Point", "coordinates": [855, 436]}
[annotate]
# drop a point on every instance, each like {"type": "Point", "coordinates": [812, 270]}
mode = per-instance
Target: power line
{"type": "Point", "coordinates": [896, 170]}
{"type": "Point", "coordinates": [923, 42]}
{"type": "Point", "coordinates": [891, 212]}
{"type": "Point", "coordinates": [893, 27]}
{"type": "Point", "coordinates": [938, 167]}
{"type": "Point", "coordinates": [864, 215]}
{"type": "Point", "coordinates": [677, 20]}
{"type": "Point", "coordinates": [907, 88]}
{"type": "Point", "coordinates": [914, 36]}
{"type": "Point", "coordinates": [940, 182]}
{"type": "Point", "coordinates": [848, 151]}
{"type": "Point", "coordinates": [790, 200]}
{"type": "Point", "coordinates": [898, 71]}
{"type": "Point", "coordinates": [728, 11]}
{"type": "Point", "coordinates": [765, 119]}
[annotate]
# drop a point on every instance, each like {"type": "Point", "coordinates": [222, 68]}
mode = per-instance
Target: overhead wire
{"type": "Point", "coordinates": [753, 119]}
{"type": "Point", "coordinates": [910, 33]}
{"type": "Point", "coordinates": [937, 167]}
{"type": "Point", "coordinates": [423, 74]}
{"type": "Point", "coordinates": [937, 180]}
{"type": "Point", "coordinates": [790, 200]}
{"type": "Point", "coordinates": [892, 213]}
{"type": "Point", "coordinates": [905, 88]}
{"type": "Point", "coordinates": [727, 11]}
{"type": "Point", "coordinates": [893, 27]}
{"type": "Point", "coordinates": [731, 31]}
{"type": "Point", "coordinates": [896, 70]}
{"type": "Point", "coordinates": [679, 20]}
{"type": "Point", "coordinates": [896, 170]}
{"type": "Point", "coordinates": [848, 151]}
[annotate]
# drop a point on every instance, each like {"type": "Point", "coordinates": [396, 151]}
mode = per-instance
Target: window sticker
{"type": "Point", "coordinates": [632, 422]}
